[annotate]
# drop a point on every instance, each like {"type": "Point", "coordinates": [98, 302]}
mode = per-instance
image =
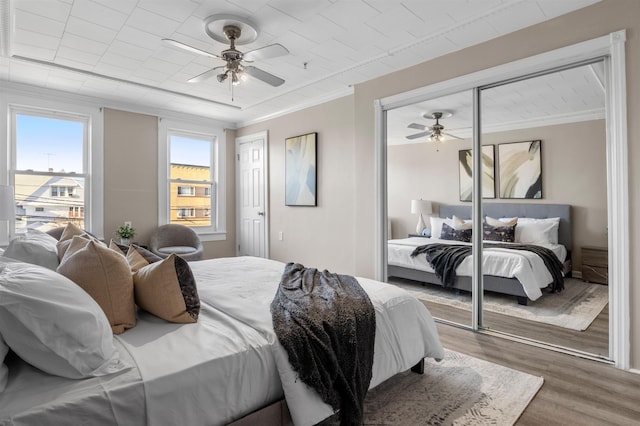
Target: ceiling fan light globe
{"type": "Point", "coordinates": [234, 78]}
{"type": "Point", "coordinates": [221, 77]}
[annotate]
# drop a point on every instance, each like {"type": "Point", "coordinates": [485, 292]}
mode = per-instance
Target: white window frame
{"type": "Point", "coordinates": [200, 129]}
{"type": "Point", "coordinates": [46, 104]}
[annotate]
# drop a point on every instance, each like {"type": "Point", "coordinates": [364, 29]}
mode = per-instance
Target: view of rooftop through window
{"type": "Point", "coordinates": [49, 175]}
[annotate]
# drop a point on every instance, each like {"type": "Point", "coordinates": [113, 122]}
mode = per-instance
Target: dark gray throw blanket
{"type": "Point", "coordinates": [445, 258]}
{"type": "Point", "coordinates": [326, 323]}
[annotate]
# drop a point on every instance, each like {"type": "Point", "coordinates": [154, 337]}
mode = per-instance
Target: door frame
{"type": "Point", "coordinates": [612, 48]}
{"type": "Point", "coordinates": [265, 186]}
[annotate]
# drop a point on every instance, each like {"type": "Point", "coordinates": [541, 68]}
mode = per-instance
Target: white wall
{"type": "Point", "coordinates": [322, 236]}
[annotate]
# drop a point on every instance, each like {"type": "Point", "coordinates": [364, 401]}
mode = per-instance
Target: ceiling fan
{"type": "Point", "coordinates": [436, 131]}
{"type": "Point", "coordinates": [235, 30]}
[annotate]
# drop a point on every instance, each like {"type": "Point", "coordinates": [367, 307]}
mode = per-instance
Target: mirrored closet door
{"type": "Point", "coordinates": [547, 138]}
{"type": "Point", "coordinates": [424, 143]}
{"type": "Point", "coordinates": [538, 136]}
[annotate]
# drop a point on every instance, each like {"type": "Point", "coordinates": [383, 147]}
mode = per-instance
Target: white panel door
{"type": "Point", "coordinates": [251, 195]}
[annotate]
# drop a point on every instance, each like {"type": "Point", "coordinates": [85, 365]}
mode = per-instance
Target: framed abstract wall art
{"type": "Point", "coordinates": [465, 165]}
{"type": "Point", "coordinates": [520, 172]}
{"type": "Point", "coordinates": [301, 170]}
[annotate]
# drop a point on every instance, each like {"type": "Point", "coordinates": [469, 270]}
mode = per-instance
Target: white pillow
{"type": "Point", "coordinates": [503, 221]}
{"type": "Point", "coordinates": [38, 248]}
{"type": "Point", "coordinates": [460, 224]}
{"type": "Point", "coordinates": [54, 325]}
{"type": "Point", "coordinates": [537, 231]}
{"type": "Point", "coordinates": [436, 225]}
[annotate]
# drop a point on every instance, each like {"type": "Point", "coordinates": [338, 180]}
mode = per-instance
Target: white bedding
{"type": "Point", "coordinates": [33, 397]}
{"type": "Point", "coordinates": [226, 365]}
{"type": "Point", "coordinates": [526, 266]}
{"type": "Point", "coordinates": [405, 331]}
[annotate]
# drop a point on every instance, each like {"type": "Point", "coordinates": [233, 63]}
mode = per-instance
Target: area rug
{"type": "Point", "coordinates": [574, 308]}
{"type": "Point", "coordinates": [459, 390]}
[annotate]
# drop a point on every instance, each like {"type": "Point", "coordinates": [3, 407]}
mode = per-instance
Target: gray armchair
{"type": "Point", "coordinates": [178, 239]}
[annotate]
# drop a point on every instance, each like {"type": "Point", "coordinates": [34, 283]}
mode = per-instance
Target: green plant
{"type": "Point", "coordinates": [126, 231]}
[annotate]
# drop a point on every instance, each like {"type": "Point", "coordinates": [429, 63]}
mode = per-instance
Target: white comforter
{"type": "Point", "coordinates": [226, 365]}
{"type": "Point", "coordinates": [526, 266]}
{"type": "Point", "coordinates": [405, 331]}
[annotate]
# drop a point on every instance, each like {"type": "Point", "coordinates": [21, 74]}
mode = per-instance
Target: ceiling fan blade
{"type": "Point", "coordinates": [264, 76]}
{"type": "Point", "coordinates": [189, 48]}
{"type": "Point", "coordinates": [419, 135]}
{"type": "Point", "coordinates": [452, 136]}
{"type": "Point", "coordinates": [205, 75]}
{"type": "Point", "coordinates": [416, 126]}
{"type": "Point", "coordinates": [270, 51]}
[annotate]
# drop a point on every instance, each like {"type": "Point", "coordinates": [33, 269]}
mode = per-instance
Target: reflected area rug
{"type": "Point", "coordinates": [574, 308]}
{"type": "Point", "coordinates": [459, 390]}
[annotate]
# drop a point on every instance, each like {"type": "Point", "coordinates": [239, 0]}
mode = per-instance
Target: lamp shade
{"type": "Point", "coordinates": [421, 206]}
{"type": "Point", "coordinates": [7, 203]}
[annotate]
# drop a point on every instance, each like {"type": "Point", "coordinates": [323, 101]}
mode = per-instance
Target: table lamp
{"type": "Point", "coordinates": [421, 207]}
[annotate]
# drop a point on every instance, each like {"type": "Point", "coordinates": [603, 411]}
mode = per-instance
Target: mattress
{"type": "Point", "coordinates": [219, 369]}
{"type": "Point", "coordinates": [527, 267]}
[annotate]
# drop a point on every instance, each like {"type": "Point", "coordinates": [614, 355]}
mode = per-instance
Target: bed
{"type": "Point", "coordinates": [517, 273]}
{"type": "Point", "coordinates": [226, 367]}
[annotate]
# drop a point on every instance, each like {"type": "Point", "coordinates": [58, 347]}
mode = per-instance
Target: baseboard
{"type": "Point", "coordinates": [634, 370]}
{"type": "Point", "coordinates": [576, 274]}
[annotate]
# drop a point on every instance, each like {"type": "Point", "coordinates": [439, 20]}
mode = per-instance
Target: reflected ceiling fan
{"type": "Point", "coordinates": [235, 31]}
{"type": "Point", "coordinates": [435, 132]}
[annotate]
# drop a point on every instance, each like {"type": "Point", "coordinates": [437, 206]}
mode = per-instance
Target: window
{"type": "Point", "coordinates": [76, 212]}
{"type": "Point", "coordinates": [61, 191]}
{"type": "Point", "coordinates": [192, 192]}
{"type": "Point", "coordinates": [184, 191]}
{"type": "Point", "coordinates": [49, 171]}
{"type": "Point", "coordinates": [183, 213]}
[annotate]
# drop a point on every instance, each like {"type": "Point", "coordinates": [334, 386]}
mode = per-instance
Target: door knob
{"type": "Point", "coordinates": [260, 213]}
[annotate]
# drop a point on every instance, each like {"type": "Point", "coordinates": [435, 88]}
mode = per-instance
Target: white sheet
{"type": "Point", "coordinates": [526, 266]}
{"type": "Point", "coordinates": [208, 373]}
{"type": "Point", "coordinates": [405, 331]}
{"type": "Point", "coordinates": [33, 397]}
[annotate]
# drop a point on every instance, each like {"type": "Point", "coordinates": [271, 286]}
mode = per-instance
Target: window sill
{"type": "Point", "coordinates": [213, 236]}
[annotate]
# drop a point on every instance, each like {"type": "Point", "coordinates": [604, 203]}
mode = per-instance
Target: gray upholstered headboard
{"type": "Point", "coordinates": [540, 211]}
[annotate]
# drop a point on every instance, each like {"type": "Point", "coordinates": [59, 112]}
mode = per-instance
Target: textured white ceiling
{"type": "Point", "coordinates": [570, 95]}
{"type": "Point", "coordinates": [112, 49]}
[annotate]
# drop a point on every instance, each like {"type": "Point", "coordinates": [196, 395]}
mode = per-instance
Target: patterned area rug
{"type": "Point", "coordinates": [575, 307]}
{"type": "Point", "coordinates": [459, 390]}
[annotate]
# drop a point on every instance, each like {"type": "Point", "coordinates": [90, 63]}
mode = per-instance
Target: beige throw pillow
{"type": "Point", "coordinates": [106, 276]}
{"type": "Point", "coordinates": [167, 289]}
{"type": "Point", "coordinates": [70, 231]}
{"type": "Point", "coordinates": [501, 222]}
{"type": "Point", "coordinates": [135, 259]}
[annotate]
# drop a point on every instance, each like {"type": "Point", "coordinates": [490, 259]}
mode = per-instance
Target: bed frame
{"type": "Point", "coordinates": [510, 286]}
{"type": "Point", "coordinates": [277, 414]}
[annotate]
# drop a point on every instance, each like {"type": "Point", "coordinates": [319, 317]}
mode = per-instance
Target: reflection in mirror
{"type": "Point", "coordinates": [549, 139]}
{"type": "Point", "coordinates": [425, 145]}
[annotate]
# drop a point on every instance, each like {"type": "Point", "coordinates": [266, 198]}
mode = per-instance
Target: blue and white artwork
{"type": "Point", "coordinates": [300, 170]}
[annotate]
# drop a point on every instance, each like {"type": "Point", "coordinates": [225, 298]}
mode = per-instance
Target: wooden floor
{"type": "Point", "coordinates": [576, 391]}
{"type": "Point", "coordinates": [594, 340]}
